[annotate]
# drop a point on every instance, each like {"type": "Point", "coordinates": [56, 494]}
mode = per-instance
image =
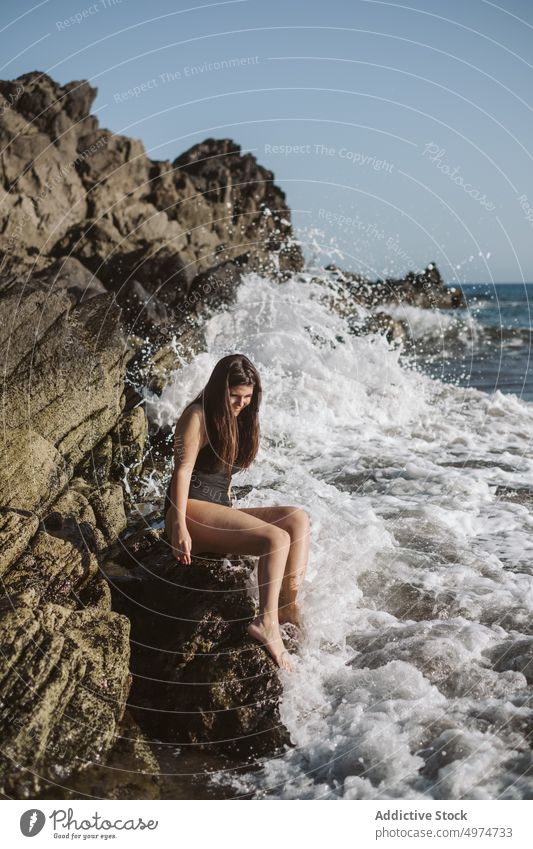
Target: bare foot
{"type": "Point", "coordinates": [289, 612]}
{"type": "Point", "coordinates": [268, 633]}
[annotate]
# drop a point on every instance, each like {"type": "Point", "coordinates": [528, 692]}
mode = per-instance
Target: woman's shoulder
{"type": "Point", "coordinates": [193, 411]}
{"type": "Point", "coordinates": [194, 406]}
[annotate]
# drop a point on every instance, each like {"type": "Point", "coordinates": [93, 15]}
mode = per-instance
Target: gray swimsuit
{"type": "Point", "coordinates": [206, 486]}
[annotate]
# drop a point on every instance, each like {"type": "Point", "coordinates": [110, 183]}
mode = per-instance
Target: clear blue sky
{"type": "Point", "coordinates": [401, 133]}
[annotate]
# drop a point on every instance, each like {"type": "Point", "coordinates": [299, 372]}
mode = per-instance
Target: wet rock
{"type": "Point", "coordinates": [118, 454]}
{"type": "Point", "coordinates": [142, 309]}
{"type": "Point", "coordinates": [199, 679]}
{"type": "Point", "coordinates": [247, 207]}
{"type": "Point", "coordinates": [153, 369]}
{"type": "Point", "coordinates": [216, 287]}
{"type": "Point", "coordinates": [515, 655]}
{"type": "Point", "coordinates": [379, 322]}
{"type": "Point", "coordinates": [424, 289]}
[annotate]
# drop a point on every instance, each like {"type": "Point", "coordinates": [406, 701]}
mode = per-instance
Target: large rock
{"type": "Point", "coordinates": [216, 287]}
{"type": "Point", "coordinates": [64, 375]}
{"type": "Point", "coordinates": [198, 677]}
{"type": "Point", "coordinates": [64, 364]}
{"type": "Point", "coordinates": [249, 212]}
{"type": "Point", "coordinates": [64, 679]}
{"type": "Point", "coordinates": [42, 193]}
{"type": "Point", "coordinates": [69, 188]}
{"type": "Point", "coordinates": [64, 671]}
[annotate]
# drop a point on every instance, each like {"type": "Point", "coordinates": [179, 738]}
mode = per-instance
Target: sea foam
{"type": "Point", "coordinates": [412, 680]}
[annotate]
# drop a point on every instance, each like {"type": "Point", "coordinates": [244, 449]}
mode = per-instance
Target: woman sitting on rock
{"type": "Point", "coordinates": [216, 435]}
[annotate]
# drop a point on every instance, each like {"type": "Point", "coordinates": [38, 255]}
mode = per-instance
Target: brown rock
{"type": "Point", "coordinates": [130, 771]}
{"type": "Point", "coordinates": [64, 678]}
{"type": "Point", "coordinates": [77, 371]}
{"type": "Point", "coordinates": [70, 275]}
{"type": "Point", "coordinates": [58, 565]}
{"type": "Point", "coordinates": [123, 216]}
{"type": "Point", "coordinates": [35, 475]}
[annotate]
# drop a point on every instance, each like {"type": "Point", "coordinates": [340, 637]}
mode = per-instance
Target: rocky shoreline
{"type": "Point", "coordinates": [108, 646]}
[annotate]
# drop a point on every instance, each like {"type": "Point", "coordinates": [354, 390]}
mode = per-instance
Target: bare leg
{"type": "Point", "coordinates": [265, 627]}
{"type": "Point", "coordinates": [295, 569]}
{"type": "Point", "coordinates": [217, 528]}
{"type": "Point", "coordinates": [296, 522]}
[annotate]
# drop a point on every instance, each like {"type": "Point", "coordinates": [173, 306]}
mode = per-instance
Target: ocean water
{"type": "Point", "coordinates": [414, 677]}
{"type": "Point", "coordinates": [488, 345]}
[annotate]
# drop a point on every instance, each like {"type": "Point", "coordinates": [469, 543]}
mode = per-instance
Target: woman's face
{"type": "Point", "coordinates": [240, 397]}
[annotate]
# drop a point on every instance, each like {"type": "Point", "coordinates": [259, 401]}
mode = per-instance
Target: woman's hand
{"type": "Point", "coordinates": [181, 544]}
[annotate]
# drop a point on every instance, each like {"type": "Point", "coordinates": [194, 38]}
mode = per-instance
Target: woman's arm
{"type": "Point", "coordinates": [187, 443]}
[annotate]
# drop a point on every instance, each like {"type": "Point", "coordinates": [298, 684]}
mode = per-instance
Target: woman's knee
{"type": "Point", "coordinates": [275, 538]}
{"type": "Point", "coordinates": [297, 523]}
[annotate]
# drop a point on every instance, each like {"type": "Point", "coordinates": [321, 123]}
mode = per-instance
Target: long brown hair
{"type": "Point", "coordinates": [232, 439]}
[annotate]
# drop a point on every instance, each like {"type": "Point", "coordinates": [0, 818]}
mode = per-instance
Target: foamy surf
{"type": "Point", "coordinates": [412, 681]}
